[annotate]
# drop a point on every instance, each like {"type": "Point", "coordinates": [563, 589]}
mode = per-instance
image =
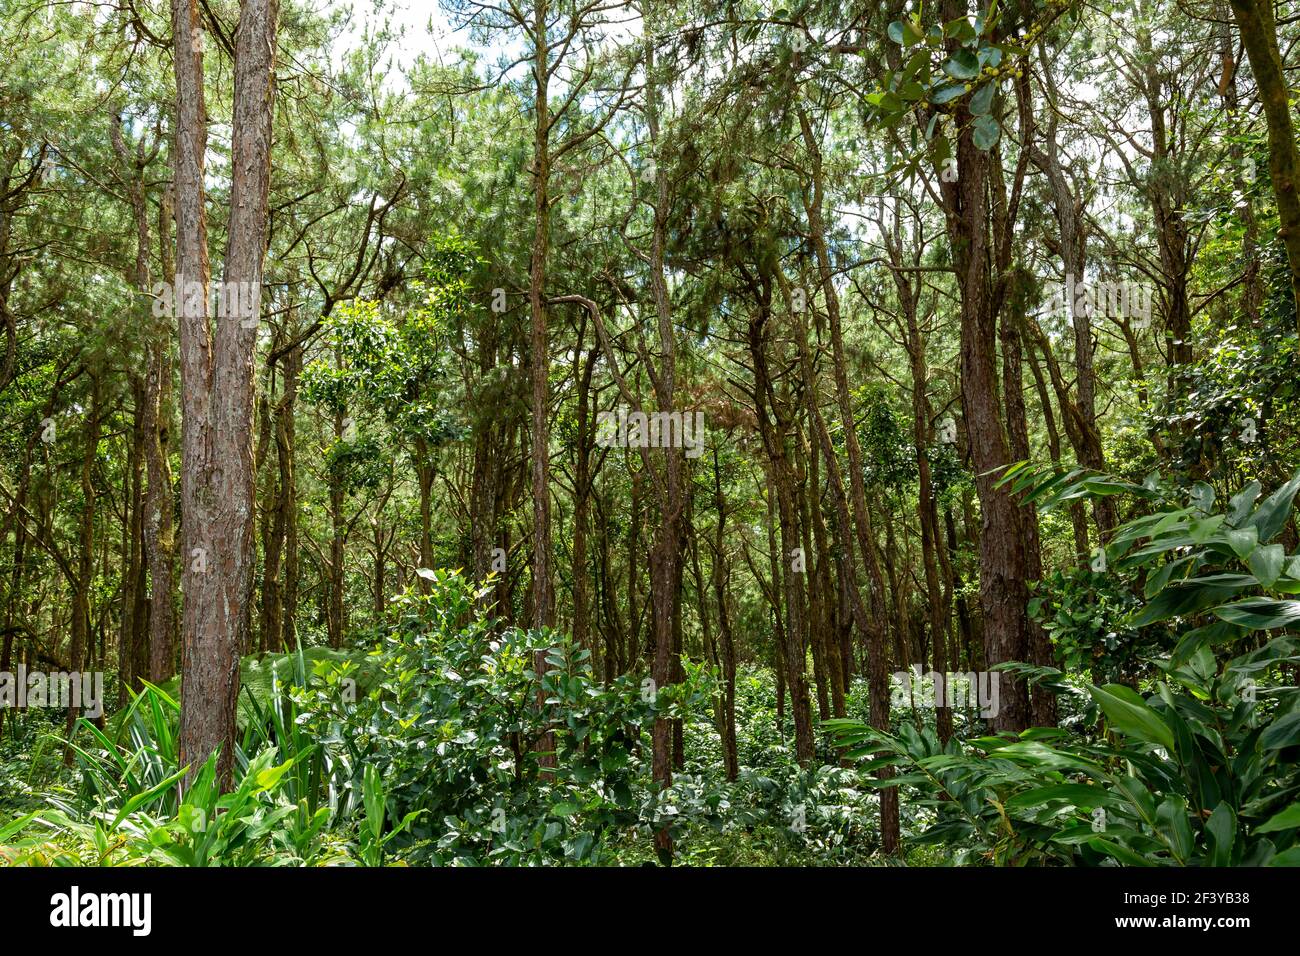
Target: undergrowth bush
{"type": "Point", "coordinates": [1201, 768]}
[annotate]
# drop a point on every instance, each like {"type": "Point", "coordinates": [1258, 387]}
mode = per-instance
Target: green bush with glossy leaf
{"type": "Point", "coordinates": [1200, 768]}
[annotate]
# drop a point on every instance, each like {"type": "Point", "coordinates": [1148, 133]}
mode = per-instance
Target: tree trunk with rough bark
{"type": "Point", "coordinates": [217, 486]}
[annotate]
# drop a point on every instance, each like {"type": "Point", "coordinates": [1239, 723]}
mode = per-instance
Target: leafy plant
{"type": "Point", "coordinates": [461, 724]}
{"type": "Point", "coordinates": [1200, 770]}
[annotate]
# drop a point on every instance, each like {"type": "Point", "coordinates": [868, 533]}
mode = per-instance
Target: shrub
{"type": "Point", "coordinates": [1201, 770]}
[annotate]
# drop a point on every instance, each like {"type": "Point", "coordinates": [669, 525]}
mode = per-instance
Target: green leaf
{"type": "Point", "coordinates": [1221, 829]}
{"type": "Point", "coordinates": [983, 99]}
{"type": "Point", "coordinates": [962, 65]}
{"type": "Point", "coordinates": [1288, 819]}
{"type": "Point", "coordinates": [1289, 857]}
{"type": "Point", "coordinates": [13, 826]}
{"type": "Point", "coordinates": [959, 29]}
{"type": "Point", "coordinates": [946, 93]}
{"type": "Point", "coordinates": [1122, 853]}
{"type": "Point", "coordinates": [1240, 503]}
{"type": "Point", "coordinates": [1129, 714]}
{"type": "Point", "coordinates": [581, 845]}
{"type": "Point", "coordinates": [1034, 754]}
{"type": "Point", "coordinates": [1105, 486]}
{"type": "Point", "coordinates": [1203, 529]}
{"type": "Point", "coordinates": [268, 778]}
{"type": "Point", "coordinates": [1172, 818]}
{"type": "Point", "coordinates": [1260, 613]}
{"type": "Point", "coordinates": [1157, 582]}
{"type": "Point", "coordinates": [1266, 563]}
{"type": "Point", "coordinates": [1273, 511]}
{"type": "Point", "coordinates": [1283, 732]}
{"type": "Point", "coordinates": [1219, 632]}
{"type": "Point", "coordinates": [986, 132]}
{"type": "Point", "coordinates": [1242, 541]}
{"type": "Point", "coordinates": [140, 799]}
{"type": "Point", "coordinates": [1203, 496]}
{"type": "Point", "coordinates": [1190, 597]}
{"type": "Point", "coordinates": [1075, 794]}
{"type": "Point", "coordinates": [374, 799]}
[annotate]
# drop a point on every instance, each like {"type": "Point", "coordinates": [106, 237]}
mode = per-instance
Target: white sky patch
{"type": "Point", "coordinates": [423, 28]}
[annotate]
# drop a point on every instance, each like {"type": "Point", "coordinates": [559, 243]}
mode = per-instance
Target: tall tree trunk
{"type": "Point", "coordinates": [781, 483]}
{"type": "Point", "coordinates": [132, 647]}
{"type": "Point", "coordinates": [159, 505]}
{"type": "Point", "coordinates": [926, 508]}
{"type": "Point", "coordinates": [1003, 592]}
{"type": "Point", "coordinates": [287, 504]}
{"type": "Point", "coordinates": [727, 646]}
{"type": "Point", "coordinates": [1252, 288]}
{"type": "Point", "coordinates": [543, 598]}
{"type": "Point", "coordinates": [10, 628]}
{"type": "Point", "coordinates": [334, 610]}
{"type": "Point", "coordinates": [1069, 210]}
{"type": "Point", "coordinates": [542, 595]}
{"type": "Point", "coordinates": [79, 648]}
{"type": "Point", "coordinates": [1042, 701]}
{"type": "Point", "coordinates": [820, 584]}
{"type": "Point", "coordinates": [877, 668]}
{"type": "Point", "coordinates": [1259, 36]}
{"type": "Point", "coordinates": [217, 488]}
{"type": "Point", "coordinates": [582, 509]}
{"type": "Point", "coordinates": [150, 538]}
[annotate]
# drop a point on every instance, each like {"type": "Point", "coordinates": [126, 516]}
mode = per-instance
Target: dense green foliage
{"type": "Point", "coordinates": [1201, 771]}
{"type": "Point", "coordinates": [947, 340]}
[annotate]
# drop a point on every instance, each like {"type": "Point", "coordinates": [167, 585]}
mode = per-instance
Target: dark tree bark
{"type": "Point", "coordinates": [79, 650]}
{"type": "Point", "coordinates": [1003, 590]}
{"type": "Point", "coordinates": [1259, 36]}
{"type": "Point", "coordinates": [877, 667]}
{"type": "Point", "coordinates": [217, 482]}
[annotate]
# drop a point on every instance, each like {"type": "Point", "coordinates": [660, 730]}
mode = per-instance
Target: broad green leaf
{"type": "Point", "coordinates": [1129, 714]}
{"type": "Point", "coordinates": [1035, 754]}
{"type": "Point", "coordinates": [1075, 794]}
{"type": "Point", "coordinates": [959, 29]}
{"type": "Point", "coordinates": [13, 826]}
{"type": "Point", "coordinates": [946, 93]}
{"type": "Point", "coordinates": [1283, 732]}
{"type": "Point", "coordinates": [1289, 857]}
{"type": "Point", "coordinates": [1273, 511]}
{"type": "Point", "coordinates": [1242, 541]}
{"type": "Point", "coordinates": [1240, 504]}
{"type": "Point", "coordinates": [1260, 613]}
{"type": "Point", "coordinates": [1122, 853]}
{"type": "Point", "coordinates": [1266, 563]}
{"type": "Point", "coordinates": [1157, 582]}
{"type": "Point", "coordinates": [1172, 819]}
{"type": "Point", "coordinates": [1202, 530]}
{"type": "Point", "coordinates": [986, 132]}
{"type": "Point", "coordinates": [962, 65]}
{"type": "Point", "coordinates": [1221, 828]}
{"type": "Point", "coordinates": [1185, 598]}
{"type": "Point", "coordinates": [1288, 819]}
